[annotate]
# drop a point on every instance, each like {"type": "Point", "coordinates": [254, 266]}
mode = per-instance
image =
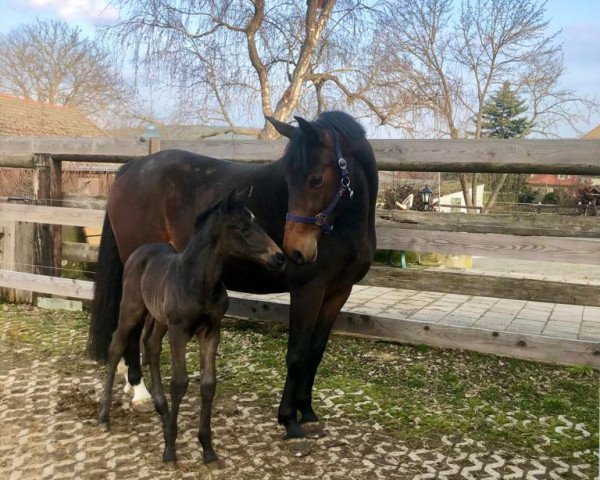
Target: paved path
{"type": "Point", "coordinates": [502, 315]}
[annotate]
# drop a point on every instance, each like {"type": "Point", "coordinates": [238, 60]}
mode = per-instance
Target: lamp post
{"type": "Point", "coordinates": [152, 135]}
{"type": "Point", "coordinates": [426, 197]}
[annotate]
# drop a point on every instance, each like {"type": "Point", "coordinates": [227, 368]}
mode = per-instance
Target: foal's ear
{"type": "Point", "coordinates": [282, 128]}
{"type": "Point", "coordinates": [311, 133]}
{"type": "Point", "coordinates": [237, 199]}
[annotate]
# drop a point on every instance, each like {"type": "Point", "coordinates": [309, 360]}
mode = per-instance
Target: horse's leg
{"type": "Point", "coordinates": [178, 339]}
{"type": "Point", "coordinates": [142, 400]}
{"type": "Point", "coordinates": [208, 341]}
{"type": "Point", "coordinates": [129, 317]}
{"type": "Point", "coordinates": [153, 347]}
{"type": "Point", "coordinates": [141, 397]}
{"type": "Point", "coordinates": [304, 308]}
{"type": "Point", "coordinates": [332, 304]}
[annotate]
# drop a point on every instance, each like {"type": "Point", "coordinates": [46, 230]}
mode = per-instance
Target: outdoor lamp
{"type": "Point", "coordinates": [150, 132]}
{"type": "Point", "coordinates": [426, 194]}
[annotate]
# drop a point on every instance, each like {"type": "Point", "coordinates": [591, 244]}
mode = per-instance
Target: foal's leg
{"type": "Point", "coordinates": [152, 348]}
{"type": "Point", "coordinates": [130, 317]}
{"type": "Point", "coordinates": [332, 304]}
{"type": "Point", "coordinates": [178, 339]}
{"type": "Point", "coordinates": [208, 342]}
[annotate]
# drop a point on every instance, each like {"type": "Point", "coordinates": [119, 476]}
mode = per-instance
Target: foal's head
{"type": "Point", "coordinates": [239, 234]}
{"type": "Point", "coordinates": [314, 177]}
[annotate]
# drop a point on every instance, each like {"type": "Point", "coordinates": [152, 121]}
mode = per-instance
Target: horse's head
{"type": "Point", "coordinates": [317, 179]}
{"type": "Point", "coordinates": [241, 235]}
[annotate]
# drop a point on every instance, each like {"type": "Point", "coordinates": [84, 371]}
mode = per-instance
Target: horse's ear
{"type": "Point", "coordinates": [311, 133]}
{"type": "Point", "coordinates": [282, 128]}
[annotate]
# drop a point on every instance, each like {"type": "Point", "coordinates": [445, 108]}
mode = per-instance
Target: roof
{"type": "Point", "coordinates": [593, 134]}
{"type": "Point", "coordinates": [554, 180]}
{"type": "Point", "coordinates": [29, 118]}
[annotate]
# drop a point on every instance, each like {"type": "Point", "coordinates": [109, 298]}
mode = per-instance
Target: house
{"type": "Point", "coordinates": [30, 118]}
{"type": "Point", "coordinates": [452, 198]}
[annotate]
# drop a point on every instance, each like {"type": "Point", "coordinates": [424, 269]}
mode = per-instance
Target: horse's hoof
{"type": "Point", "coordinates": [298, 447]}
{"type": "Point", "coordinates": [144, 406]}
{"type": "Point", "coordinates": [169, 458]}
{"type": "Point", "coordinates": [127, 388]}
{"type": "Point", "coordinates": [313, 430]}
{"type": "Point", "coordinates": [210, 458]}
{"type": "Point", "coordinates": [104, 426]}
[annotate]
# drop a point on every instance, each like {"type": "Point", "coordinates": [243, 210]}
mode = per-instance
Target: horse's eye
{"type": "Point", "coordinates": [244, 230]}
{"type": "Point", "coordinates": [315, 182]}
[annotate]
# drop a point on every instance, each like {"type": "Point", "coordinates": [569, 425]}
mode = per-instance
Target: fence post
{"type": "Point", "coordinates": [56, 195]}
{"type": "Point", "coordinates": [16, 254]}
{"type": "Point", "coordinates": [153, 145]}
{"type": "Point", "coordinates": [43, 255]}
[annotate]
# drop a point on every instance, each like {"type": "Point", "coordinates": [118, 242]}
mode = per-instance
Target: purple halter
{"type": "Point", "coordinates": [321, 218]}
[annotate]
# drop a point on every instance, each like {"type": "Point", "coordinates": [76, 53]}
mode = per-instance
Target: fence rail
{"type": "Point", "coordinates": [575, 157]}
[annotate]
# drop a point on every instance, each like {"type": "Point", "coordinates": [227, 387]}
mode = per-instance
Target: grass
{"type": "Point", "coordinates": [416, 394]}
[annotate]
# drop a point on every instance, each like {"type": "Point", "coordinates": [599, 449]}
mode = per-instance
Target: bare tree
{"type": "Point", "coordinates": [238, 60]}
{"type": "Point", "coordinates": [51, 62]}
{"type": "Point", "coordinates": [456, 61]}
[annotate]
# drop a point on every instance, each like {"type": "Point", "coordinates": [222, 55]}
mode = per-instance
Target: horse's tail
{"type": "Point", "coordinates": [107, 295]}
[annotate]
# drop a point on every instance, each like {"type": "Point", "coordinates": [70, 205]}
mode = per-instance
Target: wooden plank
{"type": "Point", "coordinates": [64, 287]}
{"type": "Point", "coordinates": [527, 346]}
{"type": "Point", "coordinates": [43, 251]}
{"type": "Point", "coordinates": [511, 224]}
{"type": "Point", "coordinates": [56, 195]}
{"type": "Point", "coordinates": [80, 252]}
{"type": "Point", "coordinates": [547, 249]}
{"type": "Point", "coordinates": [484, 285]}
{"type": "Point", "coordinates": [17, 254]}
{"type": "Point", "coordinates": [59, 145]}
{"type": "Point", "coordinates": [77, 217]}
{"type": "Point", "coordinates": [95, 158]}
{"type": "Point", "coordinates": [575, 157]}
{"type": "Point", "coordinates": [16, 160]}
{"type": "Point", "coordinates": [239, 150]}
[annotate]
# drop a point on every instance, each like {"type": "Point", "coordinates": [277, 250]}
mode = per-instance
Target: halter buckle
{"type": "Point", "coordinates": [320, 219]}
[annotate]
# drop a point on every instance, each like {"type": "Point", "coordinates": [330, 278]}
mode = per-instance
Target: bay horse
{"type": "Point", "coordinates": [184, 294]}
{"type": "Point", "coordinates": [317, 202]}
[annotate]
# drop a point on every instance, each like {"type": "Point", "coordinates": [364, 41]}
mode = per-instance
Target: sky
{"type": "Point", "coordinates": [578, 21]}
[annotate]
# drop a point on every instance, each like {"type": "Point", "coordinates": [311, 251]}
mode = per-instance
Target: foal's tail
{"type": "Point", "coordinates": [107, 295]}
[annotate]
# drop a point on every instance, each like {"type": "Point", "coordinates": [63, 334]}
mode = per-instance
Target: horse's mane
{"type": "Point", "coordinates": [354, 138]}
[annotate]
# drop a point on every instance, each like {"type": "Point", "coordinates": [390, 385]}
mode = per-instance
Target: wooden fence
{"type": "Point", "coordinates": [540, 237]}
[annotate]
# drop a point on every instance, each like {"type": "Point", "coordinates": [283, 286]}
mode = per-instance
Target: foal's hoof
{"type": "Point", "coordinates": [144, 405]}
{"type": "Point", "coordinates": [313, 430]}
{"type": "Point", "coordinates": [103, 426]}
{"type": "Point", "coordinates": [298, 447]}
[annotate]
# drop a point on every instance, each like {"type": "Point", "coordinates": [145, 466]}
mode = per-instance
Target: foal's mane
{"type": "Point", "coordinates": [205, 215]}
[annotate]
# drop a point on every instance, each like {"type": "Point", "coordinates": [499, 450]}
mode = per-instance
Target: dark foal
{"type": "Point", "coordinates": [184, 294]}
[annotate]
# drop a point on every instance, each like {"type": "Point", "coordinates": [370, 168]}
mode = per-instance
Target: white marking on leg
{"type": "Point", "coordinates": [141, 393]}
{"type": "Point", "coordinates": [124, 370]}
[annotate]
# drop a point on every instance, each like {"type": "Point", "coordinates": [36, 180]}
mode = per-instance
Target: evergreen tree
{"type": "Point", "coordinates": [501, 115]}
